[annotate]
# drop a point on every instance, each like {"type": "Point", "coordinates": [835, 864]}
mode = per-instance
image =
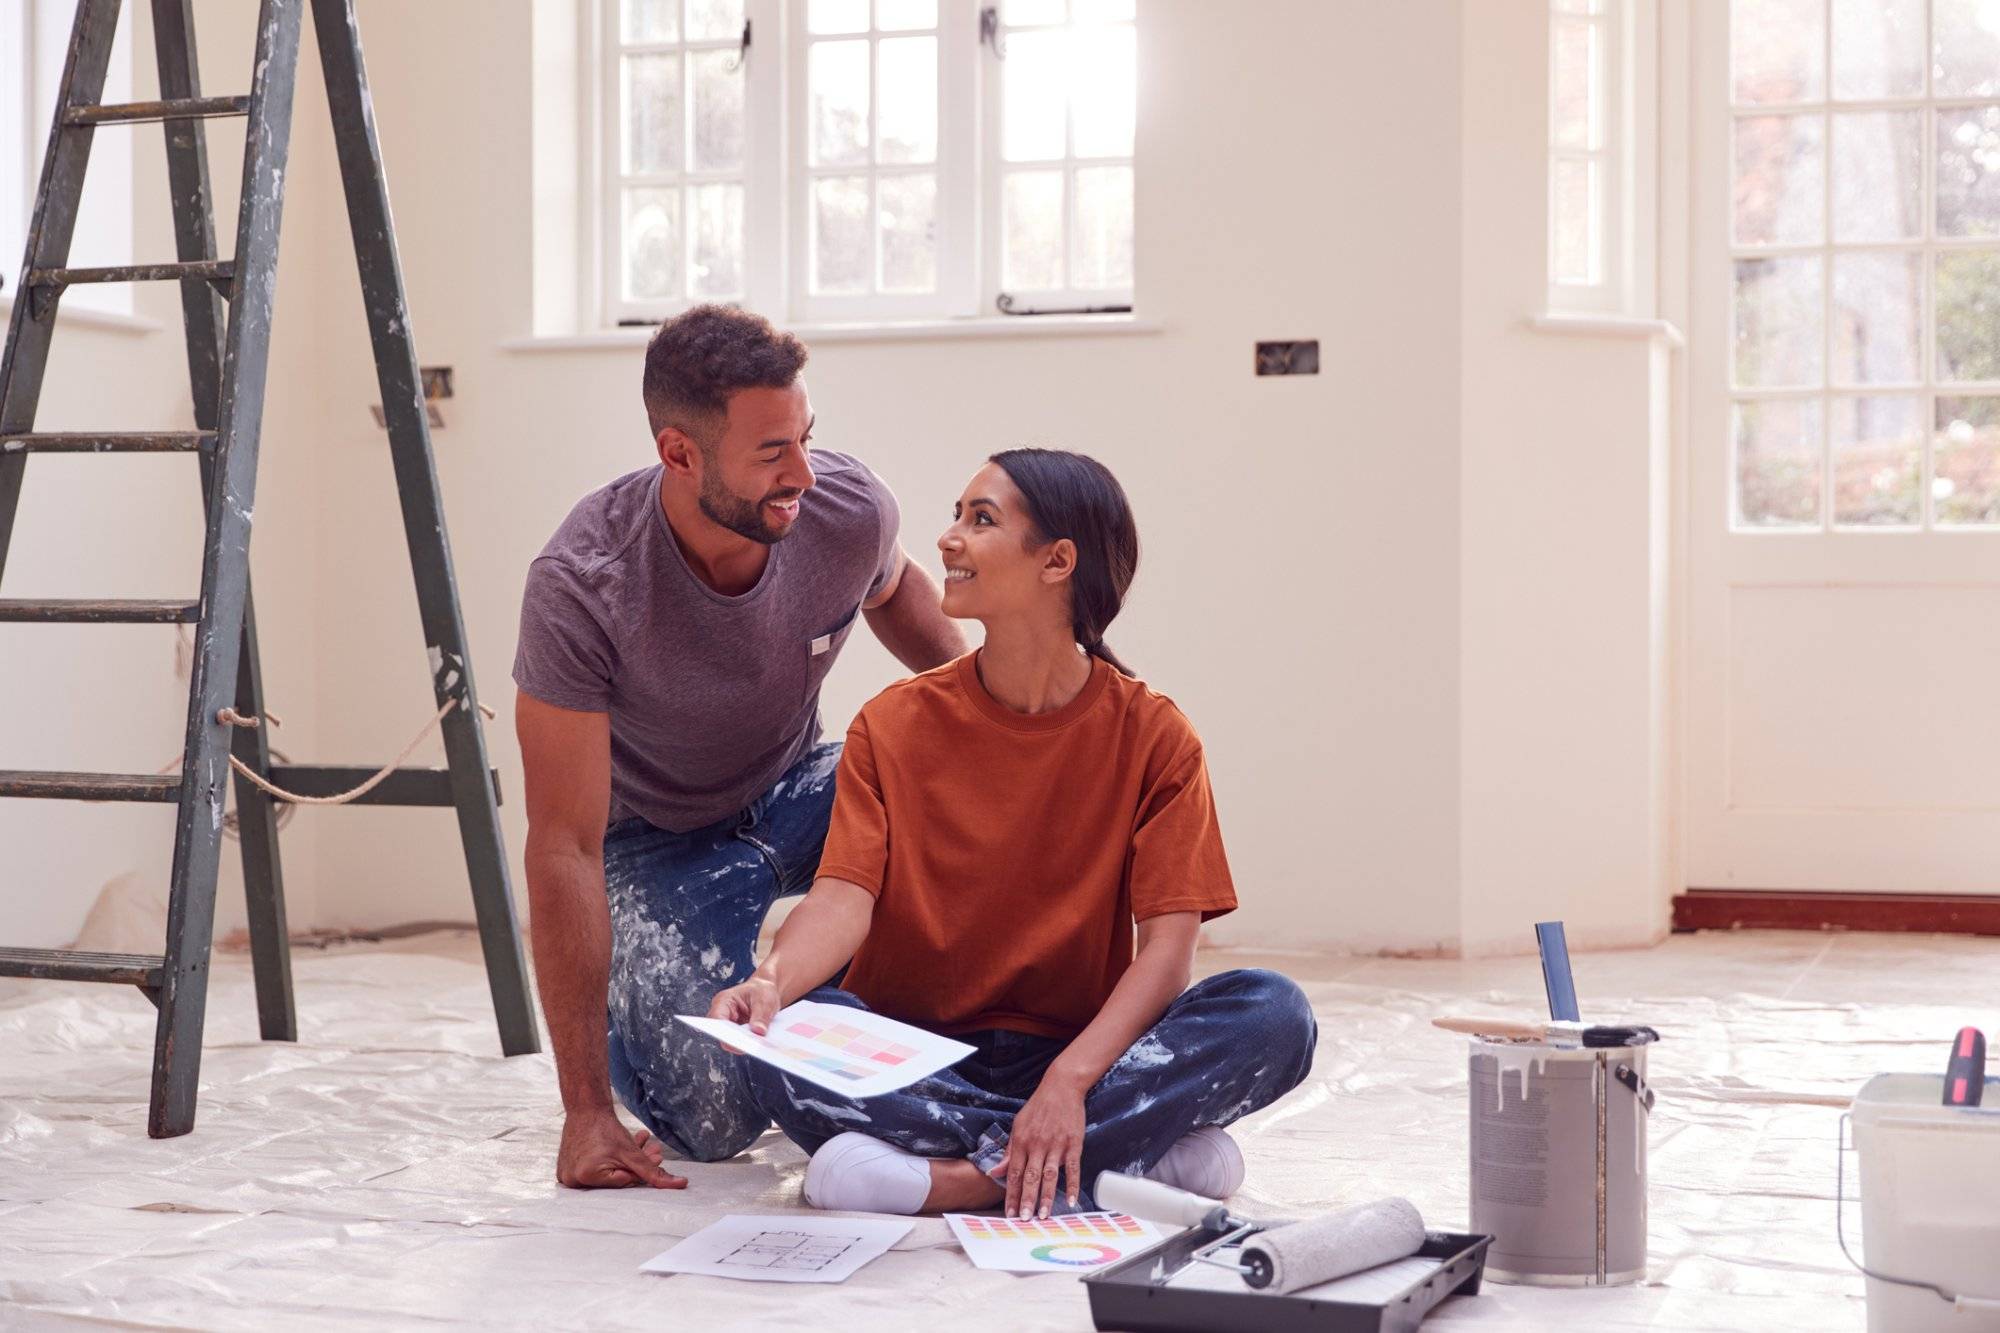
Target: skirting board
{"type": "Point", "coordinates": [1767, 909]}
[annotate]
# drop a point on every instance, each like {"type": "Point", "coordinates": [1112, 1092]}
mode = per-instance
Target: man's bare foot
{"type": "Point", "coordinates": [958, 1186]}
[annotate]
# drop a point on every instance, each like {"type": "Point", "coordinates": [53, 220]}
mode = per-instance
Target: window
{"type": "Point", "coordinates": [34, 45]}
{"type": "Point", "coordinates": [1865, 249]}
{"type": "Point", "coordinates": [849, 160]}
{"type": "Point", "coordinates": [1590, 192]}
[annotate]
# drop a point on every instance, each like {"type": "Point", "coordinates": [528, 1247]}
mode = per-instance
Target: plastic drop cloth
{"type": "Point", "coordinates": [392, 1170]}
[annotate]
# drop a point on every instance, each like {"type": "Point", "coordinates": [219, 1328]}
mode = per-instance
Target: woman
{"type": "Point", "coordinates": [1000, 825]}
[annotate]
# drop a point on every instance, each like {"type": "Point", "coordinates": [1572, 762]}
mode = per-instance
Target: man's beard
{"type": "Point", "coordinates": [743, 517]}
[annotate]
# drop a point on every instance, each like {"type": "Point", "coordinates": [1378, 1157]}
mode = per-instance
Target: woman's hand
{"type": "Point", "coordinates": [1047, 1138]}
{"type": "Point", "coordinates": [754, 1004]}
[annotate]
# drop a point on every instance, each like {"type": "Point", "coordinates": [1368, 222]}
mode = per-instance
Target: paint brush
{"type": "Point", "coordinates": [1552, 1033]}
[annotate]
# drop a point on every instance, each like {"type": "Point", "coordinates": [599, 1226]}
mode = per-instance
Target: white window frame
{"type": "Point", "coordinates": [1927, 245]}
{"type": "Point", "coordinates": [605, 260]}
{"type": "Point", "coordinates": [993, 167]}
{"type": "Point", "coordinates": [1613, 212]}
{"type": "Point", "coordinates": [34, 46]}
{"type": "Point", "coordinates": [778, 181]}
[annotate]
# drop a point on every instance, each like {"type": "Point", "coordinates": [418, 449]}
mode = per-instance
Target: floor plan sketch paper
{"type": "Point", "coordinates": [1051, 1244]}
{"type": "Point", "coordinates": [847, 1050]}
{"type": "Point", "coordinates": [781, 1249]}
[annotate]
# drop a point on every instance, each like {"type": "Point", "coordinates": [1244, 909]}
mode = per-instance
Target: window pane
{"type": "Point", "coordinates": [1035, 76]}
{"type": "Point", "coordinates": [1033, 11]}
{"type": "Point", "coordinates": [843, 243]}
{"type": "Point", "coordinates": [1877, 318]}
{"type": "Point", "coordinates": [651, 20]}
{"type": "Point", "coordinates": [1878, 176]}
{"type": "Point", "coordinates": [652, 244]}
{"type": "Point", "coordinates": [1878, 48]}
{"type": "Point", "coordinates": [1102, 86]}
{"type": "Point", "coordinates": [1104, 11]}
{"type": "Point", "coordinates": [718, 240]}
{"type": "Point", "coordinates": [837, 16]}
{"type": "Point", "coordinates": [1965, 48]}
{"type": "Point", "coordinates": [1965, 462]}
{"type": "Point", "coordinates": [1778, 50]}
{"type": "Point", "coordinates": [1574, 202]}
{"type": "Point", "coordinates": [907, 78]}
{"type": "Point", "coordinates": [1778, 338]}
{"type": "Point", "coordinates": [652, 114]}
{"type": "Point", "coordinates": [1032, 239]}
{"type": "Point", "coordinates": [711, 20]}
{"type": "Point", "coordinates": [909, 233]}
{"type": "Point", "coordinates": [1878, 462]}
{"type": "Point", "coordinates": [1103, 228]}
{"type": "Point", "coordinates": [1968, 315]}
{"type": "Point", "coordinates": [902, 15]}
{"type": "Point", "coordinates": [1780, 180]}
{"type": "Point", "coordinates": [1968, 172]}
{"type": "Point", "coordinates": [1575, 109]}
{"type": "Point", "coordinates": [1778, 463]}
{"type": "Point", "coordinates": [718, 111]}
{"type": "Point", "coordinates": [839, 80]}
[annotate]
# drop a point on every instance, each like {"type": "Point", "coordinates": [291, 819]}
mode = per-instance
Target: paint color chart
{"type": "Point", "coordinates": [1051, 1244]}
{"type": "Point", "coordinates": [841, 1049]}
{"type": "Point", "coordinates": [847, 1050]}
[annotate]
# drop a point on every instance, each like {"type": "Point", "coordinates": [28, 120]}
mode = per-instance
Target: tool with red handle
{"type": "Point", "coordinates": [1965, 1076]}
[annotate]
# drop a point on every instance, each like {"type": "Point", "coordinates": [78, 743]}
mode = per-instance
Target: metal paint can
{"type": "Point", "coordinates": [1559, 1161]}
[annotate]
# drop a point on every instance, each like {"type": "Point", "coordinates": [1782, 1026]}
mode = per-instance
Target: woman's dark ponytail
{"type": "Point", "coordinates": [1074, 496]}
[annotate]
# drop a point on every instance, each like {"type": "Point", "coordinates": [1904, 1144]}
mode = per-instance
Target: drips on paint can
{"type": "Point", "coordinates": [1559, 1161]}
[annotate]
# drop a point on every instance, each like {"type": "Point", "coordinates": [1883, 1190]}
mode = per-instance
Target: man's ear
{"type": "Point", "coordinates": [1059, 561]}
{"type": "Point", "coordinates": [678, 451]}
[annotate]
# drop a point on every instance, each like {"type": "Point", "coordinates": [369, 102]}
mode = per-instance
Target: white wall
{"type": "Point", "coordinates": [1408, 601]}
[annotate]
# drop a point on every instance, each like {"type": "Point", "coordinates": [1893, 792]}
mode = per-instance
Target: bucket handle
{"type": "Point", "coordinates": [1640, 1088]}
{"type": "Point", "coordinates": [1958, 1300]}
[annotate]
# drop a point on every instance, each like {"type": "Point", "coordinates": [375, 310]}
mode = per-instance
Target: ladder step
{"type": "Point", "coordinates": [100, 442]}
{"type": "Point", "coordinates": [190, 108]}
{"type": "Point", "coordinates": [130, 969]}
{"type": "Point", "coordinates": [205, 270]}
{"type": "Point", "coordinates": [164, 787]}
{"type": "Point", "coordinates": [98, 611]}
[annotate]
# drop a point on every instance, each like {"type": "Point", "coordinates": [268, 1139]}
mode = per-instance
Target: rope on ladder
{"type": "Point", "coordinates": [256, 779]}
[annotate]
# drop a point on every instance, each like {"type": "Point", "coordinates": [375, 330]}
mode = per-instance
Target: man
{"type": "Point", "coordinates": [674, 635]}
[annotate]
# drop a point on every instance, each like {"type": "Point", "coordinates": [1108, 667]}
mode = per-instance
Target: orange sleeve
{"type": "Point", "coordinates": [857, 836]}
{"type": "Point", "coordinates": [1178, 864]}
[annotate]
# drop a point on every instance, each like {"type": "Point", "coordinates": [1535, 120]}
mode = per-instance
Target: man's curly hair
{"type": "Point", "coordinates": [698, 358]}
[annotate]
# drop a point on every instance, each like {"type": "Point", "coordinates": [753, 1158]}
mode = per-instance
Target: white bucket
{"type": "Point", "coordinates": [1930, 1206]}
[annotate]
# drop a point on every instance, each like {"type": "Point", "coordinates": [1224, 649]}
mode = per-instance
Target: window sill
{"type": "Point", "coordinates": [84, 317]}
{"type": "Point", "coordinates": [927, 330]}
{"type": "Point", "coordinates": [1605, 326]}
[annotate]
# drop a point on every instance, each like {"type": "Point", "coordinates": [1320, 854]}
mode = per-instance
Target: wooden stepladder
{"type": "Point", "coordinates": [227, 304]}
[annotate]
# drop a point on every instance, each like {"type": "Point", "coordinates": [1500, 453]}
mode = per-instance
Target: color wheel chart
{"type": "Point", "coordinates": [840, 1049]}
{"type": "Point", "coordinates": [1051, 1244]}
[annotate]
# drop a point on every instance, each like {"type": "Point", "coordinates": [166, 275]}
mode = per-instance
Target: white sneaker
{"type": "Point", "coordinates": [1206, 1162]}
{"type": "Point", "coordinates": [852, 1173]}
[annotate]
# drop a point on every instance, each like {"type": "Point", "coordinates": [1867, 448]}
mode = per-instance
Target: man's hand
{"type": "Point", "coordinates": [753, 1004]}
{"type": "Point", "coordinates": [599, 1153]}
{"type": "Point", "coordinates": [1047, 1138]}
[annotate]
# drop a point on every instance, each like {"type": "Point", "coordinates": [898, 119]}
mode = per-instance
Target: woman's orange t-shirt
{"type": "Point", "coordinates": [1010, 854]}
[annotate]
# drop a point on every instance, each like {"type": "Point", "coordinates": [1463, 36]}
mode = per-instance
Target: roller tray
{"type": "Point", "coordinates": [1127, 1298]}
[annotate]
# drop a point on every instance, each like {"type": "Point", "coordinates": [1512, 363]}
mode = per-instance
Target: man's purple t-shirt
{"type": "Point", "coordinates": [711, 698]}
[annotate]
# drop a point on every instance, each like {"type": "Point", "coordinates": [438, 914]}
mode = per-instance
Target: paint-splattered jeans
{"type": "Point", "coordinates": [1228, 1045]}
{"type": "Point", "coordinates": [685, 912]}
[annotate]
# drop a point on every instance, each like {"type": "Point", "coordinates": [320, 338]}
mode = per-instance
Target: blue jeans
{"type": "Point", "coordinates": [685, 912]}
{"type": "Point", "coordinates": [1225, 1047]}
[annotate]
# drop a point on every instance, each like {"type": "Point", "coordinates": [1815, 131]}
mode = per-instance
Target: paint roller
{"type": "Point", "coordinates": [1286, 1257]}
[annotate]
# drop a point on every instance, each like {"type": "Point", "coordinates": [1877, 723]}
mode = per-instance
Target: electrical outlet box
{"type": "Point", "coordinates": [1288, 358]}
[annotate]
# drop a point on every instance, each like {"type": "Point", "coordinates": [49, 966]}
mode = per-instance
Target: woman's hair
{"type": "Point", "coordinates": [1075, 496]}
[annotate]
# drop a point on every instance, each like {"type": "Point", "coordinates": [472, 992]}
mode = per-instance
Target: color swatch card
{"type": "Point", "coordinates": [781, 1249]}
{"type": "Point", "coordinates": [1051, 1244]}
{"type": "Point", "coordinates": [848, 1050]}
